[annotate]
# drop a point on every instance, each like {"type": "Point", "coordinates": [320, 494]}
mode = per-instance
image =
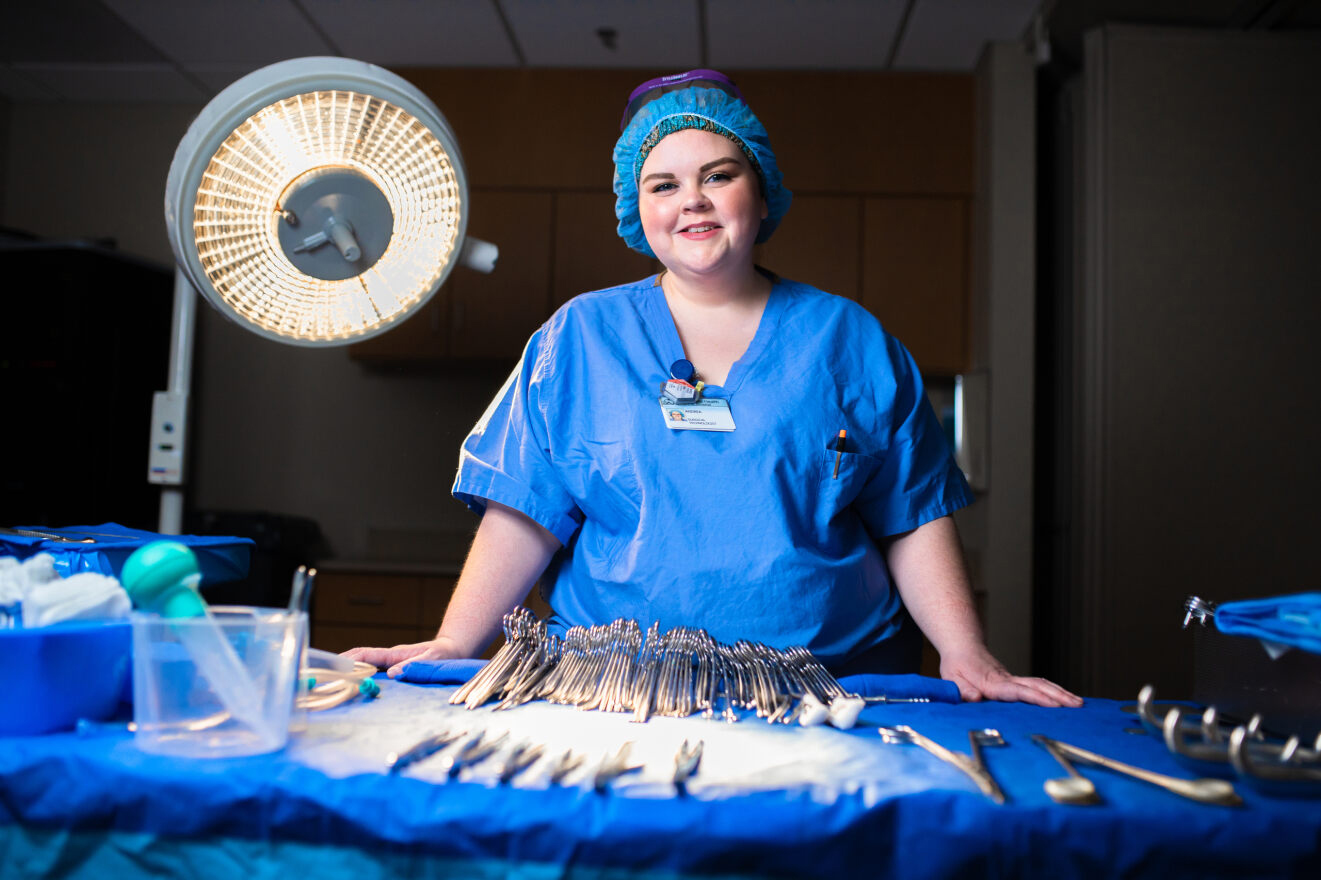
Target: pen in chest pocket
{"type": "Point", "coordinates": [839, 450]}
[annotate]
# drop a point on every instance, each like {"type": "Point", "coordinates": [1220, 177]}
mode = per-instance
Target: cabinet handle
{"type": "Point", "coordinates": [366, 600]}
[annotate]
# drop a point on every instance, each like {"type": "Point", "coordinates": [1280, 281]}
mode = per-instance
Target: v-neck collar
{"type": "Point", "coordinates": [666, 333]}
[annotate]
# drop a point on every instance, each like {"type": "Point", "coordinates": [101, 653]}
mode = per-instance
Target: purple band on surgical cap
{"type": "Point", "coordinates": [653, 88]}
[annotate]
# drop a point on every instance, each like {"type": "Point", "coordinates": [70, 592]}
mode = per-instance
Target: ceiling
{"type": "Point", "coordinates": [187, 50]}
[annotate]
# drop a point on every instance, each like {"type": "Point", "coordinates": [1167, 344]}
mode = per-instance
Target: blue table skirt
{"type": "Point", "coordinates": [94, 805]}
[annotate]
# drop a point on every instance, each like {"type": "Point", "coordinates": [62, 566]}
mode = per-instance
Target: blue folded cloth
{"type": "Point", "coordinates": [440, 671]}
{"type": "Point", "coordinates": [937, 690]}
{"type": "Point", "coordinates": [1288, 620]}
{"type": "Point", "coordinates": [894, 686]}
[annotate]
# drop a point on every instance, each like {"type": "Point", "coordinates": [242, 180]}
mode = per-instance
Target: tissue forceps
{"type": "Point", "coordinates": [902, 733]}
{"type": "Point", "coordinates": [397, 761]}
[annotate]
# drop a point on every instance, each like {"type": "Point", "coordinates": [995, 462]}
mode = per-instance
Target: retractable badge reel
{"type": "Point", "coordinates": [683, 385]}
{"type": "Point", "coordinates": [683, 406]}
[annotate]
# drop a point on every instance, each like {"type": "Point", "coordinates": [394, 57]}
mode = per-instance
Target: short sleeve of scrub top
{"type": "Point", "coordinates": [750, 533]}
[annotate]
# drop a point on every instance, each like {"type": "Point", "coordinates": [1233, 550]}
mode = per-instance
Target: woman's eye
{"type": "Point", "coordinates": [662, 187]}
{"type": "Point", "coordinates": [718, 176]}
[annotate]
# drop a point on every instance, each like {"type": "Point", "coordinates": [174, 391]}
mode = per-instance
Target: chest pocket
{"type": "Point", "coordinates": [837, 488]}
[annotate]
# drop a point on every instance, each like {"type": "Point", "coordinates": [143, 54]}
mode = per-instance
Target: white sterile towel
{"type": "Point", "coordinates": [48, 598]}
{"type": "Point", "coordinates": [13, 583]}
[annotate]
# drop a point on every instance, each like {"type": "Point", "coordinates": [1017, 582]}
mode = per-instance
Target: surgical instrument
{"type": "Point", "coordinates": [475, 751]}
{"type": "Point", "coordinates": [902, 733]}
{"type": "Point", "coordinates": [613, 767]}
{"type": "Point", "coordinates": [520, 758]}
{"type": "Point", "coordinates": [1206, 791]}
{"type": "Point", "coordinates": [397, 761]}
{"type": "Point", "coordinates": [1072, 789]}
{"type": "Point", "coordinates": [564, 765]}
{"type": "Point", "coordinates": [986, 737]}
{"type": "Point", "coordinates": [686, 762]}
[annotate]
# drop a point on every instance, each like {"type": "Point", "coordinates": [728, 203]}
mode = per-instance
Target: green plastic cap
{"type": "Point", "coordinates": [162, 577]}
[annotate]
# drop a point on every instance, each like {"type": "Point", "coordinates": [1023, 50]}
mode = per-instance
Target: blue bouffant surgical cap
{"type": "Point", "coordinates": [708, 109]}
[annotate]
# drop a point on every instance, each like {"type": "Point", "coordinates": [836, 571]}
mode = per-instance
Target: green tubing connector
{"type": "Point", "coordinates": [162, 577]}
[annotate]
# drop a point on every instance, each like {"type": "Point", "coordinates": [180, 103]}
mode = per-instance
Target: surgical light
{"type": "Point", "coordinates": [316, 202]}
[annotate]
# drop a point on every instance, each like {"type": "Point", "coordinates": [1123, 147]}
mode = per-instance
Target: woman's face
{"type": "Point", "coordinates": [700, 203]}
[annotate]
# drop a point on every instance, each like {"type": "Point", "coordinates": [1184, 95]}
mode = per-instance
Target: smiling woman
{"type": "Point", "coordinates": [668, 450]}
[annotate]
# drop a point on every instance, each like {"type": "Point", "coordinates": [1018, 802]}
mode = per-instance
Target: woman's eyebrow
{"type": "Point", "coordinates": [721, 161]}
{"type": "Point", "coordinates": [705, 168]}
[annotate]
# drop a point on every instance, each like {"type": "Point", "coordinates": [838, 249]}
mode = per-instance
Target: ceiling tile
{"type": "Point", "coordinates": [657, 35]}
{"type": "Point", "coordinates": [792, 34]}
{"type": "Point", "coordinates": [256, 32]}
{"type": "Point", "coordinates": [950, 34]}
{"type": "Point", "coordinates": [216, 76]}
{"type": "Point", "coordinates": [114, 82]}
{"type": "Point", "coordinates": [456, 33]}
{"type": "Point", "coordinates": [74, 31]}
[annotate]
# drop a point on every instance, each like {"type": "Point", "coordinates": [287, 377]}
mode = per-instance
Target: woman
{"type": "Point", "coordinates": [716, 446]}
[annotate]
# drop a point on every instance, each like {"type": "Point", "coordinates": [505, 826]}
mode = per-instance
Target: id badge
{"type": "Point", "coordinates": [707, 414]}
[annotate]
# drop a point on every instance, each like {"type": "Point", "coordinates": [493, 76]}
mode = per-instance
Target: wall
{"type": "Point", "coordinates": [1003, 343]}
{"type": "Point", "coordinates": [368, 449]}
{"type": "Point", "coordinates": [1196, 432]}
{"type": "Point", "coordinates": [5, 113]}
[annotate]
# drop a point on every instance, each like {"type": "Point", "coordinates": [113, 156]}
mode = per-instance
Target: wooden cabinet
{"type": "Point", "coordinates": [381, 604]}
{"type": "Point", "coordinates": [915, 276]}
{"type": "Point", "coordinates": [589, 254]}
{"type": "Point", "coordinates": [880, 213]}
{"type": "Point", "coordinates": [380, 608]}
{"type": "Point", "coordinates": [818, 243]}
{"type": "Point", "coordinates": [476, 316]}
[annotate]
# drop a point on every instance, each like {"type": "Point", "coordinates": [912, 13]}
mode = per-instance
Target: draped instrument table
{"type": "Point", "coordinates": [767, 800]}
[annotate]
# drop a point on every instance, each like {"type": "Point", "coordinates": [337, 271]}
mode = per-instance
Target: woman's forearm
{"type": "Point", "coordinates": [929, 572]}
{"type": "Point", "coordinates": [508, 555]}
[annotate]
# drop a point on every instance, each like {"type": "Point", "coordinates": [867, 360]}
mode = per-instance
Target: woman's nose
{"type": "Point", "coordinates": [696, 201]}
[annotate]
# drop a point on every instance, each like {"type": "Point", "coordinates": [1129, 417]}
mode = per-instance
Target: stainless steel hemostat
{"type": "Point", "coordinates": [616, 667]}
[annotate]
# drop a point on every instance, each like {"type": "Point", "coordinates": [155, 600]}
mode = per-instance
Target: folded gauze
{"type": "Point", "coordinates": [48, 598]}
{"type": "Point", "coordinates": [1284, 620]}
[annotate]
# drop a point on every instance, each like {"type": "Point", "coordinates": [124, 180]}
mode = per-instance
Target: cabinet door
{"type": "Point", "coordinates": [492, 316]}
{"type": "Point", "coordinates": [589, 254]}
{"type": "Point", "coordinates": [339, 637]}
{"type": "Point", "coordinates": [436, 592]}
{"type": "Point", "coordinates": [915, 276]}
{"type": "Point", "coordinates": [817, 243]}
{"type": "Point", "coordinates": [368, 598]}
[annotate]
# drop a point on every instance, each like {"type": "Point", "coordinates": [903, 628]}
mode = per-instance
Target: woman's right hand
{"type": "Point", "coordinates": [395, 659]}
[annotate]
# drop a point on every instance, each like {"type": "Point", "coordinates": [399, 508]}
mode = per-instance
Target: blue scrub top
{"type": "Point", "coordinates": [749, 533]}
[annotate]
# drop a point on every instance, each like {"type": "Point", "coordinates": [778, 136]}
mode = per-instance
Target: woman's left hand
{"type": "Point", "coordinates": [981, 677]}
